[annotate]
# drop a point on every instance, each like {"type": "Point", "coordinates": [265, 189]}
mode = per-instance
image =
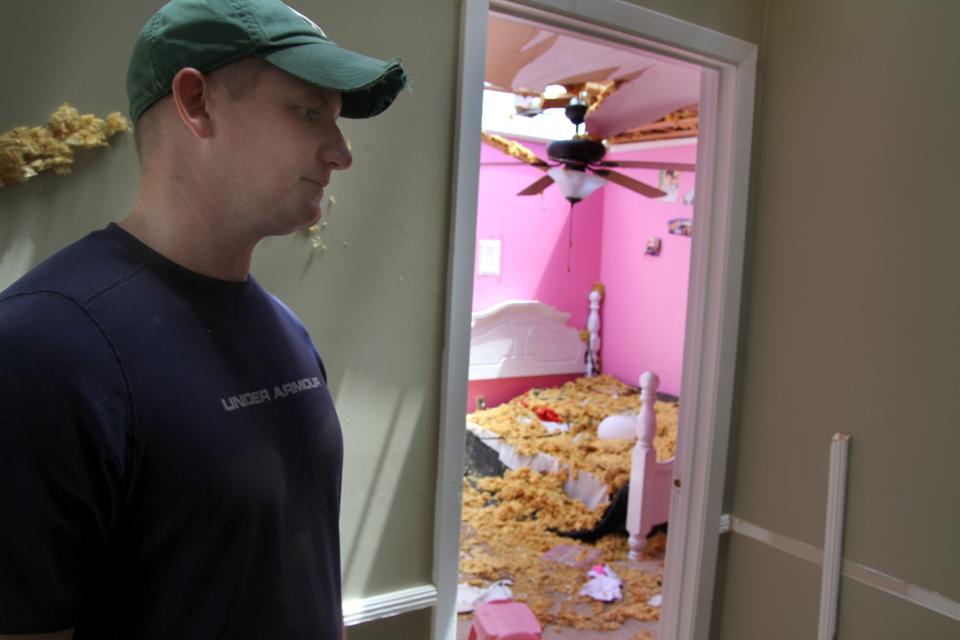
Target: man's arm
{"type": "Point", "coordinates": [62, 446]}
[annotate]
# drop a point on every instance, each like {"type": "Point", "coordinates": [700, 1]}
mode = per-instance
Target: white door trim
{"type": "Point", "coordinates": [456, 353]}
{"type": "Point", "coordinates": [713, 307]}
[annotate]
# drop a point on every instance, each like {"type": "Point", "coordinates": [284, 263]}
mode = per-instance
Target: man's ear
{"type": "Point", "coordinates": [190, 94]}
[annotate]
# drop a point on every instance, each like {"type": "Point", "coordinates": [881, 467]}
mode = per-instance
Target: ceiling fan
{"type": "Point", "coordinates": [577, 165]}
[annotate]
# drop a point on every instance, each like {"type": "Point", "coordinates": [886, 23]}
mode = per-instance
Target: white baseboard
{"type": "Point", "coordinates": [360, 610]}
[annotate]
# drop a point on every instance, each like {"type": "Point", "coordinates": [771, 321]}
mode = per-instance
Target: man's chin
{"type": "Point", "coordinates": [315, 216]}
{"type": "Point", "coordinates": [285, 227]}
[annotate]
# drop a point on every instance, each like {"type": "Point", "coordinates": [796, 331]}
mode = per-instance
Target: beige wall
{"type": "Point", "coordinates": [373, 300]}
{"type": "Point", "coordinates": [851, 316]}
{"type": "Point", "coordinates": [739, 18]}
{"type": "Point", "coordinates": [53, 52]}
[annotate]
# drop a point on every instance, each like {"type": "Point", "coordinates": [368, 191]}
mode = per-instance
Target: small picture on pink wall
{"type": "Point", "coordinates": [670, 184]}
{"type": "Point", "coordinates": [653, 246]}
{"type": "Point", "coordinates": [680, 226]}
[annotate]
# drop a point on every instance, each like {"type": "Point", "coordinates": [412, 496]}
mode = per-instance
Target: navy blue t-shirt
{"type": "Point", "coordinates": [170, 457]}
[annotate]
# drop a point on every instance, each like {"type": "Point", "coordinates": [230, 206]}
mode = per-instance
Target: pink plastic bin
{"type": "Point", "coordinates": [504, 620]}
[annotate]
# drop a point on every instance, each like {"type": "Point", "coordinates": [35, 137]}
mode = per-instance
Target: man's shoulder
{"type": "Point", "coordinates": [46, 310]}
{"type": "Point", "coordinates": [56, 361]}
{"type": "Point", "coordinates": [283, 310]}
{"type": "Point", "coordinates": [36, 322]}
{"type": "Point", "coordinates": [288, 317]}
{"type": "Point", "coordinates": [77, 272]}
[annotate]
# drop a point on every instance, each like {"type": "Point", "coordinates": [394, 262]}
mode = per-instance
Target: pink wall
{"type": "Point", "coordinates": [645, 307]}
{"type": "Point", "coordinates": [533, 233]}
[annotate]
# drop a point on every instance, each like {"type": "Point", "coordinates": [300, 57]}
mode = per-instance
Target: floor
{"type": "Point", "coordinates": [629, 630]}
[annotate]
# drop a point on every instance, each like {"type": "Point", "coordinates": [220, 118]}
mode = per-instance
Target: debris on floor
{"type": "Point", "coordinates": [510, 520]}
{"type": "Point", "coordinates": [505, 535]}
{"type": "Point", "coordinates": [572, 555]}
{"type": "Point", "coordinates": [603, 584]}
{"type": "Point", "coordinates": [470, 597]}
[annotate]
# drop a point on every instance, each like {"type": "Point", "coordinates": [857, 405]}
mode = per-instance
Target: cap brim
{"type": "Point", "coordinates": [367, 85]}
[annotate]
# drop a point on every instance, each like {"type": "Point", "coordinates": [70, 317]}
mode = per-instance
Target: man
{"type": "Point", "coordinates": [170, 456]}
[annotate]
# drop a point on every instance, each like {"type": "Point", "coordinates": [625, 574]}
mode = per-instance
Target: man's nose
{"type": "Point", "coordinates": [338, 153]}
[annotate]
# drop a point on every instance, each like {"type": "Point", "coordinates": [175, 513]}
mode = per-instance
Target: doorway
{"type": "Point", "coordinates": [715, 269]}
{"type": "Point", "coordinates": [560, 106]}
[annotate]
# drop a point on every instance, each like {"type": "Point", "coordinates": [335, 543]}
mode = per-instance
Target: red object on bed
{"type": "Point", "coordinates": [547, 414]}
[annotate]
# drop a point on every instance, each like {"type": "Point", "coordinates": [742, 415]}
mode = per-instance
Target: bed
{"type": "Point", "coordinates": [602, 432]}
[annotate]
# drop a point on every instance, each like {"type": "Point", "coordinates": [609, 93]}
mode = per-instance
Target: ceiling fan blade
{"type": "Point", "coordinates": [513, 149]}
{"type": "Point", "coordinates": [634, 185]}
{"type": "Point", "coordinates": [639, 164]}
{"type": "Point", "coordinates": [537, 187]}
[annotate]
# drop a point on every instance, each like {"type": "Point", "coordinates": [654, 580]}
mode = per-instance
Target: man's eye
{"type": "Point", "coordinates": [308, 114]}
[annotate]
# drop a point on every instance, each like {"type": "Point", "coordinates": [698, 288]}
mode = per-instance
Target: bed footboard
{"type": "Point", "coordinates": [649, 501]}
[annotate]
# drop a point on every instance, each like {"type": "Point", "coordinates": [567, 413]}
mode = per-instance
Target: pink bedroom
{"type": "Point", "coordinates": [577, 336]}
{"type": "Point", "coordinates": [644, 306]}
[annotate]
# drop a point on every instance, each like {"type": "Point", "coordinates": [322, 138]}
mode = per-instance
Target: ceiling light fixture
{"type": "Point", "coordinates": [575, 185]}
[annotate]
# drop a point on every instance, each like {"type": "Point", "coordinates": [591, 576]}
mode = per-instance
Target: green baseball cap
{"type": "Point", "coordinates": [208, 34]}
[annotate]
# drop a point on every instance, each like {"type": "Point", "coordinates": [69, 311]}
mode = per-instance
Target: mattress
{"type": "Point", "coordinates": [555, 430]}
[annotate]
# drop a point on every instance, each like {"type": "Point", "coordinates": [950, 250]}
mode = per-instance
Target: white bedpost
{"type": "Point", "coordinates": [643, 465]}
{"type": "Point", "coordinates": [593, 326]}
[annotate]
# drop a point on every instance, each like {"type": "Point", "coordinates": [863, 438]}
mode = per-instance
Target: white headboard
{"type": "Point", "coordinates": [518, 338]}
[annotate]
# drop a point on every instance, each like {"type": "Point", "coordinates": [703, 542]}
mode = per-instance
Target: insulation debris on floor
{"type": "Point", "coordinates": [506, 535]}
{"type": "Point", "coordinates": [509, 521]}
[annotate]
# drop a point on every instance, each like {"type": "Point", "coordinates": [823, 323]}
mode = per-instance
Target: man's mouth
{"type": "Point", "coordinates": [312, 181]}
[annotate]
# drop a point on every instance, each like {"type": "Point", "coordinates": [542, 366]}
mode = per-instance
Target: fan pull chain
{"type": "Point", "coordinates": [569, 235]}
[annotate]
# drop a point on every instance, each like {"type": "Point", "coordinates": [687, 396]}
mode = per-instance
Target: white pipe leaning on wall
{"type": "Point", "coordinates": [833, 538]}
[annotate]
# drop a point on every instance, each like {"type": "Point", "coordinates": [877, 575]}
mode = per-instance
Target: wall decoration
{"type": "Point", "coordinates": [28, 151]}
{"type": "Point", "coordinates": [488, 257]}
{"type": "Point", "coordinates": [680, 226]}
{"type": "Point", "coordinates": [653, 246]}
{"type": "Point", "coordinates": [688, 197]}
{"type": "Point", "coordinates": [669, 183]}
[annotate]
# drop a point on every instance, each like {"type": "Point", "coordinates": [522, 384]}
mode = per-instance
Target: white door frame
{"type": "Point", "coordinates": [713, 303]}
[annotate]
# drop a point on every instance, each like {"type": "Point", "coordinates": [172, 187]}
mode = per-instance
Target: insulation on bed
{"type": "Point", "coordinates": [562, 422]}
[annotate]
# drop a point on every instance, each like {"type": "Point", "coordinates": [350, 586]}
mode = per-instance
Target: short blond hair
{"type": "Point", "coordinates": [238, 78]}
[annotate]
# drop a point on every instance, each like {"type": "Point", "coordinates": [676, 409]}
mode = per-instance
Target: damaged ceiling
{"type": "Point", "coordinates": [629, 91]}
